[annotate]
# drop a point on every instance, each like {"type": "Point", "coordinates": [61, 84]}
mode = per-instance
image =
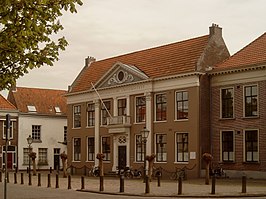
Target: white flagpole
{"type": "Point", "coordinates": [101, 100]}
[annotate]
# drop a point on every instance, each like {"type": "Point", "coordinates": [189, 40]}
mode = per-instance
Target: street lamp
{"type": "Point", "coordinates": [29, 140]}
{"type": "Point", "coordinates": [144, 135]}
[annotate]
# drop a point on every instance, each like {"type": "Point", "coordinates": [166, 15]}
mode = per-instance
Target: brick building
{"type": "Point", "coordinates": [238, 111]}
{"type": "Point", "coordinates": [165, 89]}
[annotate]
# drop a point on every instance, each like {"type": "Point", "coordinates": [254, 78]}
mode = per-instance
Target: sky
{"type": "Point", "coordinates": [107, 28]}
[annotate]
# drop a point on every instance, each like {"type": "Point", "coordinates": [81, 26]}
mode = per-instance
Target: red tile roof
{"type": "Point", "coordinates": [252, 54]}
{"type": "Point", "coordinates": [44, 100]}
{"type": "Point", "coordinates": [5, 104]}
{"type": "Point", "coordinates": [176, 58]}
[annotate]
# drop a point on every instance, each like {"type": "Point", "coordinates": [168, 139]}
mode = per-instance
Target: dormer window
{"type": "Point", "coordinates": [57, 109]}
{"type": "Point", "coordinates": [31, 108]}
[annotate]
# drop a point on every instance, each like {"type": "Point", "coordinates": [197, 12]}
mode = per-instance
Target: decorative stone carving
{"type": "Point", "coordinates": [120, 77]}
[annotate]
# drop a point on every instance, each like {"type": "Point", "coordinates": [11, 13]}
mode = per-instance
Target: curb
{"type": "Point", "coordinates": [240, 195]}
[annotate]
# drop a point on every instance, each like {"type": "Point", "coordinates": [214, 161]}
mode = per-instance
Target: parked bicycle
{"type": "Point", "coordinates": [217, 171]}
{"type": "Point", "coordinates": [131, 173]}
{"type": "Point", "coordinates": [94, 171]}
{"type": "Point", "coordinates": [179, 173]}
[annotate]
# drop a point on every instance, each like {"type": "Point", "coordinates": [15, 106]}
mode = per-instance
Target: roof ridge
{"type": "Point", "coordinates": [241, 50]}
{"type": "Point", "coordinates": [22, 87]}
{"type": "Point", "coordinates": [151, 48]}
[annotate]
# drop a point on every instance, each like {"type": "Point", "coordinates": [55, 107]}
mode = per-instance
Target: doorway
{"type": "Point", "coordinates": [122, 157]}
{"type": "Point", "coordinates": [56, 159]}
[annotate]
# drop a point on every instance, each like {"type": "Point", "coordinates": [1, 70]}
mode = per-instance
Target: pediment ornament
{"type": "Point", "coordinates": [120, 77]}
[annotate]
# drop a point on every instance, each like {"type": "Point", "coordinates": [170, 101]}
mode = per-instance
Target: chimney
{"type": "Point", "coordinates": [89, 60]}
{"type": "Point", "coordinates": [215, 30]}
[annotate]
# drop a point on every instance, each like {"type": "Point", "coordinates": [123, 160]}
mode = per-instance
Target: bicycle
{"type": "Point", "coordinates": [179, 173]}
{"type": "Point", "coordinates": [94, 171]}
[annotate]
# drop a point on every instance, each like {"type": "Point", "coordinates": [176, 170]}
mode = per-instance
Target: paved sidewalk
{"type": "Point", "coordinates": [190, 188]}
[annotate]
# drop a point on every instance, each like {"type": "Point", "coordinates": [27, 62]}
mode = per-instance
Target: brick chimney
{"type": "Point", "coordinates": [89, 60]}
{"type": "Point", "coordinates": [215, 30]}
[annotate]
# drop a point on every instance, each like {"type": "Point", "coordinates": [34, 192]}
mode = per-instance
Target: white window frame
{"type": "Point", "coordinates": [184, 119]}
{"type": "Point", "coordinates": [155, 97]}
{"type": "Point", "coordinates": [176, 160]}
{"type": "Point", "coordinates": [155, 144]}
{"type": "Point", "coordinates": [11, 132]}
{"type": "Point", "coordinates": [73, 116]}
{"type": "Point", "coordinates": [244, 107]}
{"type": "Point", "coordinates": [135, 107]}
{"type": "Point", "coordinates": [73, 145]}
{"type": "Point", "coordinates": [90, 103]}
{"type": "Point", "coordinates": [244, 146]}
{"type": "Point", "coordinates": [87, 141]}
{"type": "Point", "coordinates": [221, 145]}
{"type": "Point", "coordinates": [103, 108]}
{"type": "Point", "coordinates": [221, 102]}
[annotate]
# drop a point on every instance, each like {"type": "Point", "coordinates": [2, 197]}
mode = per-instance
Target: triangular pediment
{"type": "Point", "coordinates": [120, 74]}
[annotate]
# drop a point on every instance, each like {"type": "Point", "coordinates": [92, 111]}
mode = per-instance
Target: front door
{"type": "Point", "coordinates": [9, 160]}
{"type": "Point", "coordinates": [56, 159]}
{"type": "Point", "coordinates": [122, 157]}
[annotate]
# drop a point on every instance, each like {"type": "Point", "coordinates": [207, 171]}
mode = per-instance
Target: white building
{"type": "Point", "coordinates": [42, 115]}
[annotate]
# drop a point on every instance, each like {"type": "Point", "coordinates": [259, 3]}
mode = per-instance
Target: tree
{"type": "Point", "coordinates": [26, 35]}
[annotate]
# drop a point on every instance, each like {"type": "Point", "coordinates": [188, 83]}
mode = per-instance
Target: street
{"type": "Point", "coordinates": [16, 191]}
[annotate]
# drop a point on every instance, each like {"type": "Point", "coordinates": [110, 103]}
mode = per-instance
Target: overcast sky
{"type": "Point", "coordinates": [106, 28]}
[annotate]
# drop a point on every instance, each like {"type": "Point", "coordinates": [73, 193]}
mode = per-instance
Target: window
{"type": "Point", "coordinates": [57, 109]}
{"type": "Point", "coordinates": [36, 133]}
{"type": "Point", "coordinates": [65, 134]}
{"type": "Point", "coordinates": [77, 149]}
{"type": "Point", "coordinates": [106, 148]}
{"type": "Point", "coordinates": [251, 101]}
{"type": "Point", "coordinates": [227, 146]}
{"type": "Point", "coordinates": [139, 149]}
{"type": "Point", "coordinates": [105, 109]}
{"type": "Point", "coordinates": [227, 103]}
{"type": "Point", "coordinates": [90, 149]}
{"type": "Point", "coordinates": [122, 107]}
{"type": "Point", "coordinates": [31, 108]}
{"type": "Point", "coordinates": [26, 156]}
{"type": "Point", "coordinates": [182, 147]}
{"type": "Point", "coordinates": [91, 114]}
{"type": "Point", "coordinates": [181, 105]}
{"type": "Point", "coordinates": [77, 116]}
{"type": "Point", "coordinates": [43, 156]}
{"type": "Point", "coordinates": [161, 153]}
{"type": "Point", "coordinates": [251, 146]}
{"type": "Point", "coordinates": [161, 105]}
{"type": "Point", "coordinates": [140, 109]}
{"type": "Point", "coordinates": [10, 136]}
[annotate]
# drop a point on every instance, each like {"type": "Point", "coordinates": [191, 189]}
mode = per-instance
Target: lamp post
{"type": "Point", "coordinates": [144, 135]}
{"type": "Point", "coordinates": [29, 140]}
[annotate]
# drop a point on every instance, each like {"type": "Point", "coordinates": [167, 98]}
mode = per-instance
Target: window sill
{"type": "Point", "coordinates": [162, 121]}
{"type": "Point", "coordinates": [251, 117]}
{"type": "Point", "coordinates": [181, 163]}
{"type": "Point", "coordinates": [36, 141]}
{"type": "Point", "coordinates": [165, 162]}
{"type": "Point", "coordinates": [181, 120]}
{"type": "Point", "coordinates": [90, 127]}
{"type": "Point", "coordinates": [76, 128]}
{"type": "Point", "coordinates": [224, 119]}
{"type": "Point", "coordinates": [251, 162]}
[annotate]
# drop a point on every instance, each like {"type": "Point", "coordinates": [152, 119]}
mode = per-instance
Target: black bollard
{"type": "Point", "coordinates": [101, 183]}
{"type": "Point", "coordinates": [147, 184]}
{"type": "Point", "coordinates": [244, 184]}
{"type": "Point", "coordinates": [213, 184]}
{"type": "Point", "coordinates": [39, 179]}
{"type": "Point", "coordinates": [179, 185]}
{"type": "Point", "coordinates": [50, 169]}
{"type": "Point", "coordinates": [159, 180]}
{"type": "Point", "coordinates": [15, 178]}
{"type": "Point", "coordinates": [30, 179]}
{"type": "Point", "coordinates": [122, 183]}
{"type": "Point", "coordinates": [82, 182]}
{"type": "Point", "coordinates": [49, 180]}
{"type": "Point", "coordinates": [56, 181]}
{"type": "Point", "coordinates": [21, 179]}
{"type": "Point", "coordinates": [0, 176]}
{"type": "Point", "coordinates": [69, 181]}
